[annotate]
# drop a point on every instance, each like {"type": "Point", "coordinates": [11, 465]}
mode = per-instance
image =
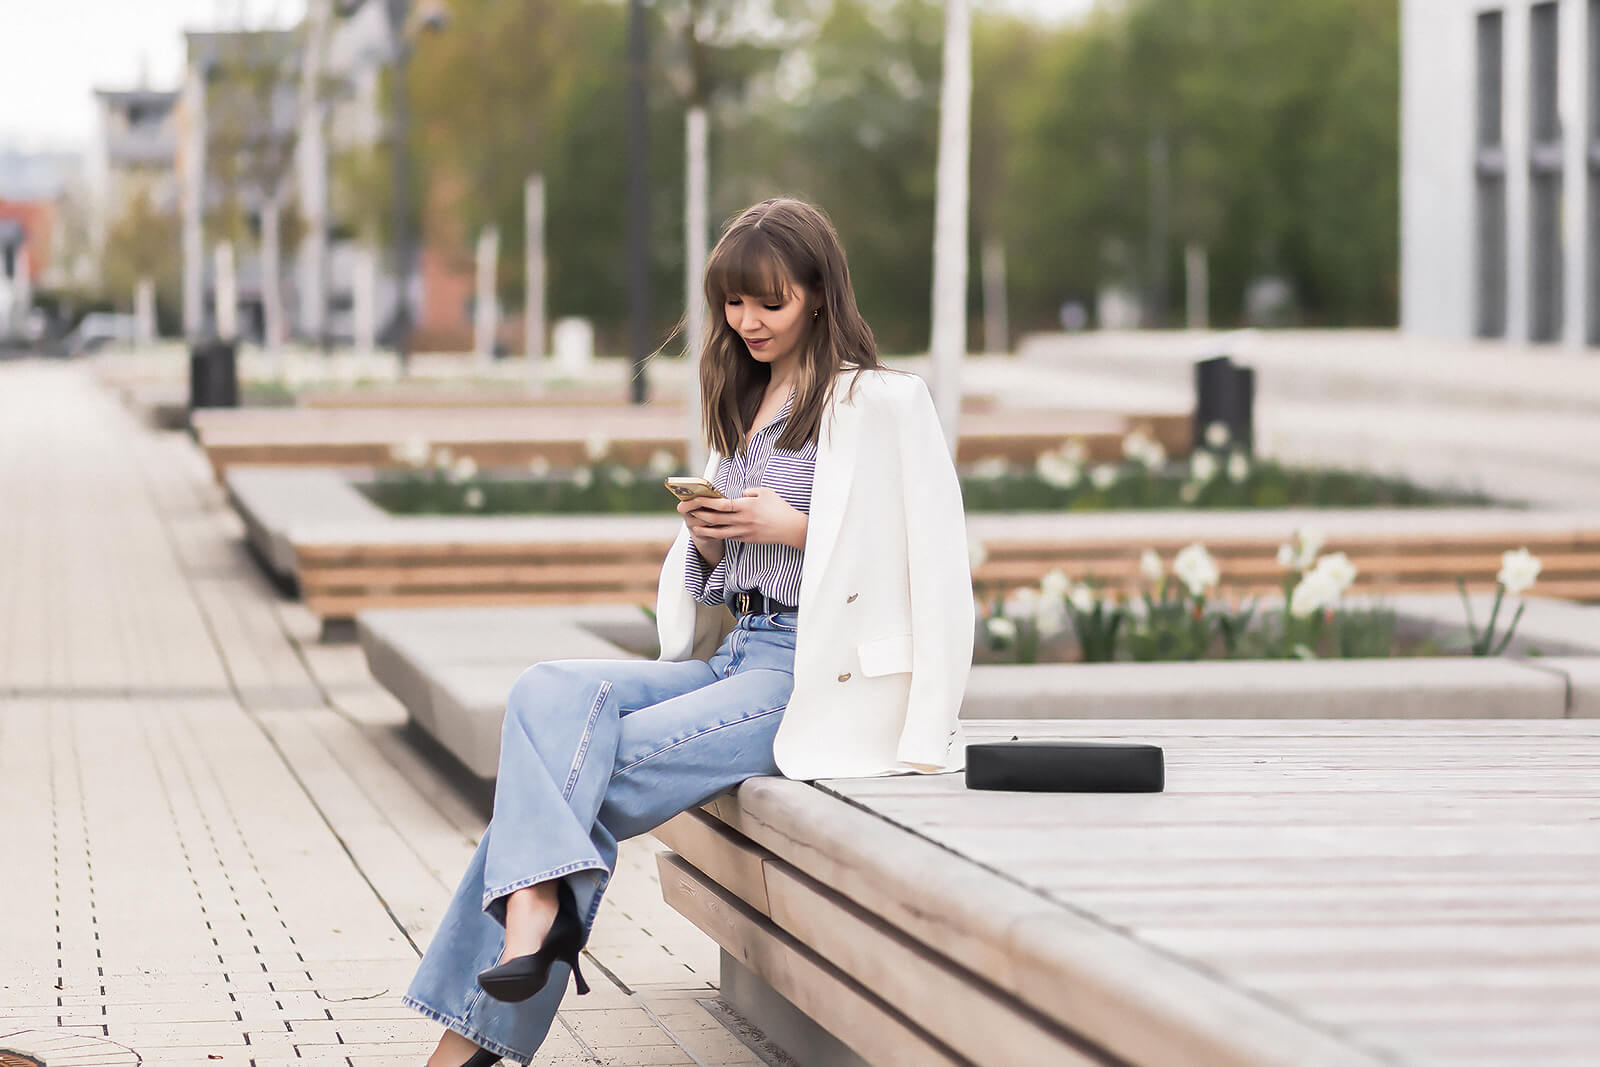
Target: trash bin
{"type": "Point", "coordinates": [1224, 392]}
{"type": "Point", "coordinates": [214, 375]}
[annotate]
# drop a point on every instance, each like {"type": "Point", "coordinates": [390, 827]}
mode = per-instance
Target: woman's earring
{"type": "Point", "coordinates": [815, 312]}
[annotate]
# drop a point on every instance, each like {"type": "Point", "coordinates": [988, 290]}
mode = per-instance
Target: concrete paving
{"type": "Point", "coordinates": [221, 846]}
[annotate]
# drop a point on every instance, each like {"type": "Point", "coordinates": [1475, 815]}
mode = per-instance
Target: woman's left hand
{"type": "Point", "coordinates": [761, 517]}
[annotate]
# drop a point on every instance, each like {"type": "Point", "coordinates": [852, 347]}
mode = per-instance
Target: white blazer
{"type": "Point", "coordinates": [886, 614]}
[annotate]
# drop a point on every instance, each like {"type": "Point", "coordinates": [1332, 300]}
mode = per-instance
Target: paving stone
{"type": "Point", "coordinates": [216, 829]}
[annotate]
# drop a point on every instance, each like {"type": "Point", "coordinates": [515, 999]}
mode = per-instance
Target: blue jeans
{"type": "Point", "coordinates": [593, 752]}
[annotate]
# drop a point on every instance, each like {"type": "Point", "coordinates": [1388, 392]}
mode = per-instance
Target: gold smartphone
{"type": "Point", "coordinates": [691, 488]}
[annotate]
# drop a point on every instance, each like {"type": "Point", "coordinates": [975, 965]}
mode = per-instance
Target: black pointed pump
{"type": "Point", "coordinates": [520, 978]}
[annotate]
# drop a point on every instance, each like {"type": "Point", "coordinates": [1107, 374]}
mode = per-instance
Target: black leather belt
{"type": "Point", "coordinates": [754, 602]}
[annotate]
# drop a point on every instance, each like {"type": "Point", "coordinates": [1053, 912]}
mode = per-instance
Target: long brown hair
{"type": "Point", "coordinates": [763, 251]}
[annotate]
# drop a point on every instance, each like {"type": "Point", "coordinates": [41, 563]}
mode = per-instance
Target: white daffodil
{"type": "Point", "coordinates": [595, 446]}
{"type": "Point", "coordinates": [1238, 467]}
{"type": "Point", "coordinates": [1023, 603]}
{"type": "Point", "coordinates": [1301, 552]}
{"type": "Point", "coordinates": [539, 467]}
{"type": "Point", "coordinates": [1337, 566]}
{"type": "Point", "coordinates": [1082, 598]}
{"type": "Point", "coordinates": [1154, 456]}
{"type": "Point", "coordinates": [1135, 444]}
{"type": "Point", "coordinates": [1057, 471]}
{"type": "Point", "coordinates": [1189, 492]}
{"type": "Point", "coordinates": [1151, 567]}
{"type": "Point", "coordinates": [977, 554]}
{"type": "Point", "coordinates": [1055, 585]}
{"type": "Point", "coordinates": [990, 468]}
{"type": "Point", "coordinates": [1103, 476]}
{"type": "Point", "coordinates": [621, 476]}
{"type": "Point", "coordinates": [464, 469]}
{"type": "Point", "coordinates": [1518, 570]}
{"type": "Point", "coordinates": [1196, 569]}
{"type": "Point", "coordinates": [583, 477]}
{"type": "Point", "coordinates": [1051, 619]}
{"type": "Point", "coordinates": [662, 463]}
{"type": "Point", "coordinates": [1316, 591]}
{"type": "Point", "coordinates": [443, 458]}
{"type": "Point", "coordinates": [1001, 628]}
{"type": "Point", "coordinates": [1076, 451]}
{"type": "Point", "coordinates": [1203, 466]}
{"type": "Point", "coordinates": [413, 452]}
{"type": "Point", "coordinates": [1217, 435]}
{"type": "Point", "coordinates": [473, 498]}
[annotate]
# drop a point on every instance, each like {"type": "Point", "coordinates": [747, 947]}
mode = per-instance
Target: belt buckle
{"type": "Point", "coordinates": [744, 603]}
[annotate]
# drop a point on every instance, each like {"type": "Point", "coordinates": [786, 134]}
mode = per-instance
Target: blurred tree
{"type": "Point", "coordinates": [1280, 123]}
{"type": "Point", "coordinates": [143, 242]}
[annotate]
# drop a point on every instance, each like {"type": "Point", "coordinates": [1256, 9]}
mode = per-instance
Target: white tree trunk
{"type": "Point", "coordinates": [227, 297]}
{"type": "Point", "coordinates": [696, 220]}
{"type": "Point", "coordinates": [272, 332]}
{"type": "Point", "coordinates": [312, 159]}
{"type": "Point", "coordinates": [486, 315]}
{"type": "Point", "coordinates": [534, 308]}
{"type": "Point", "coordinates": [192, 159]}
{"type": "Point", "coordinates": [1196, 287]}
{"type": "Point", "coordinates": [996, 325]}
{"type": "Point", "coordinates": [144, 311]}
{"type": "Point", "coordinates": [949, 341]}
{"type": "Point", "coordinates": [364, 300]}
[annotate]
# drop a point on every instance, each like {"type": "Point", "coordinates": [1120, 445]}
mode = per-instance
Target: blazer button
{"type": "Point", "coordinates": [851, 599]}
{"type": "Point", "coordinates": [845, 677]}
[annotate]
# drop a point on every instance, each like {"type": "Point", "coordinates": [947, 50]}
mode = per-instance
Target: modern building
{"type": "Point", "coordinates": [133, 155]}
{"type": "Point", "coordinates": [1500, 170]}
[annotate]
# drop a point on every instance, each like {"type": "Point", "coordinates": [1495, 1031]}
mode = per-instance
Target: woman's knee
{"type": "Point", "coordinates": [541, 687]}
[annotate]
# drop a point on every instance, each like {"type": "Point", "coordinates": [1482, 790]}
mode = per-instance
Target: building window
{"type": "Point", "coordinates": [1544, 177]}
{"type": "Point", "coordinates": [1490, 167]}
{"type": "Point", "coordinates": [1594, 173]}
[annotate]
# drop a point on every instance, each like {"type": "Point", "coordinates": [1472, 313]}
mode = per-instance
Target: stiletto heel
{"type": "Point", "coordinates": [520, 978]}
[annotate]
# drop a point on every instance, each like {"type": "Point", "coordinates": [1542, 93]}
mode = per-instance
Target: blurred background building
{"type": "Point", "coordinates": [1500, 170]}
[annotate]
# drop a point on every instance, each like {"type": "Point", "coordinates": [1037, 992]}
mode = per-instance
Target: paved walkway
{"type": "Point", "coordinates": [220, 844]}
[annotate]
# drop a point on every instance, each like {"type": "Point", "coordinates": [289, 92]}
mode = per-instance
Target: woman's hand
{"type": "Point", "coordinates": [760, 517]}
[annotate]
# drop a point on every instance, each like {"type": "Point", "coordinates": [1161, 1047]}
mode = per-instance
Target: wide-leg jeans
{"type": "Point", "coordinates": [594, 752]}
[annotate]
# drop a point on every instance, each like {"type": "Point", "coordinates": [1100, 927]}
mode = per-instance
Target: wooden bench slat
{"type": "Point", "coordinates": [815, 986]}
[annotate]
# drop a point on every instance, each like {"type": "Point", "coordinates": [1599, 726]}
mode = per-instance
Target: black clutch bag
{"type": "Point", "coordinates": [1065, 767]}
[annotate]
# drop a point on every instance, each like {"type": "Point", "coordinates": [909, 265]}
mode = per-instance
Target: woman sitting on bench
{"type": "Point", "coordinates": [836, 538]}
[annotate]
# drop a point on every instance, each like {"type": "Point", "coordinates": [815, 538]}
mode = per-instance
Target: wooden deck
{"type": "Point", "coordinates": [1303, 892]}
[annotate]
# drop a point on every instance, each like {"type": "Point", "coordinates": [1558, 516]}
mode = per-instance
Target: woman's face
{"type": "Point", "coordinates": [772, 332]}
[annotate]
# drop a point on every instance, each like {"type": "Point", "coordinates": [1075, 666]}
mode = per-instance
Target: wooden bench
{"type": "Point", "coordinates": [1302, 893]}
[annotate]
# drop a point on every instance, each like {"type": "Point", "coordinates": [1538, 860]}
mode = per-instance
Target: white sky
{"type": "Point", "coordinates": [56, 52]}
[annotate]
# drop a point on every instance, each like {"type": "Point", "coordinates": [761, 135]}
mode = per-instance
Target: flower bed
{"type": "Point", "coordinates": [436, 482]}
{"type": "Point", "coordinates": [1181, 616]}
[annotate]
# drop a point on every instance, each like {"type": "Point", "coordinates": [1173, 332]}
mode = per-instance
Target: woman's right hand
{"type": "Point", "coordinates": [703, 516]}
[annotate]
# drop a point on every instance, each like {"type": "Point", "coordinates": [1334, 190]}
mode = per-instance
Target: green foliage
{"type": "Point", "coordinates": [1279, 123]}
{"type": "Point", "coordinates": [1269, 485]}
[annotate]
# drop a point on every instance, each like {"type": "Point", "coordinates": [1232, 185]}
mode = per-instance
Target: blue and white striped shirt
{"type": "Point", "coordinates": [773, 570]}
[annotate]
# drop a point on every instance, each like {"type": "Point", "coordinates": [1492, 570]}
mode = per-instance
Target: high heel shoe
{"type": "Point", "coordinates": [482, 1058]}
{"type": "Point", "coordinates": [520, 978]}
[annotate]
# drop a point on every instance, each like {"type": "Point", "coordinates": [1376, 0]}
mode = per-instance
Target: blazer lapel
{"type": "Point", "coordinates": [830, 489]}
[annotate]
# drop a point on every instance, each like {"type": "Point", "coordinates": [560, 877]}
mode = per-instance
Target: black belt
{"type": "Point", "coordinates": [754, 602]}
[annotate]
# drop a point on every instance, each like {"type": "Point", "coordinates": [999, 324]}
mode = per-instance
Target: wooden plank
{"type": "Point", "coordinates": [728, 859]}
{"type": "Point", "coordinates": [946, 1001]}
{"type": "Point", "coordinates": [812, 984]}
{"type": "Point", "coordinates": [347, 607]}
{"type": "Point", "coordinates": [1137, 1002]}
{"type": "Point", "coordinates": [535, 577]}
